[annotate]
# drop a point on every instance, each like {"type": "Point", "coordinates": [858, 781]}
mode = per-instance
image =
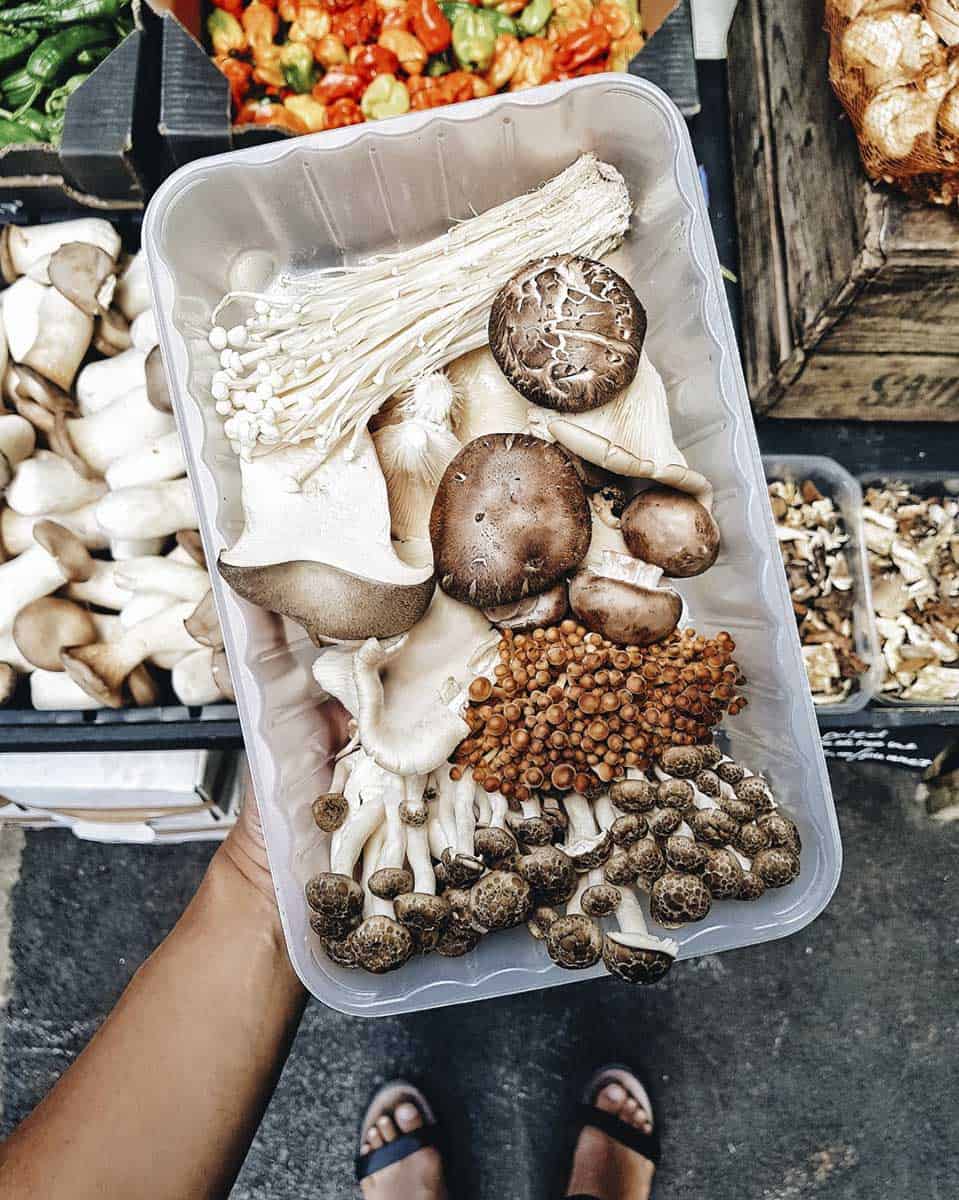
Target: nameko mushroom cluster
{"type": "Point", "coordinates": [474, 503]}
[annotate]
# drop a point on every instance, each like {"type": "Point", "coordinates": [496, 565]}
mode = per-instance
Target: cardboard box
{"type": "Point", "coordinates": [145, 797]}
{"type": "Point", "coordinates": [195, 119]}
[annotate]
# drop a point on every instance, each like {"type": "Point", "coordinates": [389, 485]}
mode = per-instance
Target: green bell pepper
{"type": "Point", "coordinates": [45, 64]}
{"type": "Point", "coordinates": [296, 63]}
{"type": "Point", "coordinates": [226, 32]}
{"type": "Point", "coordinates": [386, 96]}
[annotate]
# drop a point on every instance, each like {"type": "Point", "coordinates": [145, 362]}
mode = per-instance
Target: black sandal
{"type": "Point", "coordinates": [384, 1104]}
{"type": "Point", "coordinates": [646, 1145]}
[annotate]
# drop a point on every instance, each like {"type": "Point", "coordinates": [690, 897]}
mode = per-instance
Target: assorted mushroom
{"type": "Point", "coordinates": [813, 541]}
{"type": "Point", "coordinates": [475, 506]}
{"type": "Point", "coordinates": [913, 548]}
{"type": "Point", "coordinates": [102, 583]}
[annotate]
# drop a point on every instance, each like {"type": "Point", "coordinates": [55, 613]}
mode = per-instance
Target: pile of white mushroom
{"type": "Point", "coordinates": [102, 576]}
{"type": "Point", "coordinates": [491, 560]}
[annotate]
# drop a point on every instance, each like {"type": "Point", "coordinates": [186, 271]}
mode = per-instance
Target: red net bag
{"type": "Point", "coordinates": [894, 64]}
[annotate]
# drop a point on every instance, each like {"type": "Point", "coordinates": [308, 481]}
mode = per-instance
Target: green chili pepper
{"type": "Point", "coordinates": [13, 132]}
{"type": "Point", "coordinates": [14, 46]}
{"type": "Point", "coordinates": [62, 12]}
{"type": "Point", "coordinates": [438, 65]}
{"type": "Point", "coordinates": [56, 102]}
{"type": "Point", "coordinates": [502, 22]}
{"type": "Point", "coordinates": [533, 18]}
{"type": "Point", "coordinates": [36, 122]}
{"type": "Point", "coordinates": [46, 62]}
{"type": "Point", "coordinates": [93, 55]}
{"type": "Point", "coordinates": [386, 96]}
{"type": "Point", "coordinates": [296, 63]}
{"type": "Point", "coordinates": [474, 38]}
{"type": "Point", "coordinates": [226, 32]}
{"type": "Point", "coordinates": [453, 8]}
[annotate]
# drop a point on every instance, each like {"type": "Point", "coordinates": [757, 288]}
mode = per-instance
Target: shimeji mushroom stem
{"type": "Point", "coordinates": [372, 861]}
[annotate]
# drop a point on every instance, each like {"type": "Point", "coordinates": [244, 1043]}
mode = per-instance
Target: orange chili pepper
{"type": "Point", "coordinates": [358, 23]}
{"type": "Point", "coordinates": [340, 83]}
{"type": "Point", "coordinates": [430, 25]}
{"type": "Point", "coordinates": [578, 47]}
{"type": "Point", "coordinates": [376, 60]}
{"type": "Point", "coordinates": [343, 112]}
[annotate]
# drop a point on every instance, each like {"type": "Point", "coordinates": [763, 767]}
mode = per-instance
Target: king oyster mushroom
{"type": "Point", "coordinates": [316, 544]}
{"type": "Point", "coordinates": [509, 520]}
{"type": "Point", "coordinates": [672, 530]}
{"type": "Point", "coordinates": [567, 332]}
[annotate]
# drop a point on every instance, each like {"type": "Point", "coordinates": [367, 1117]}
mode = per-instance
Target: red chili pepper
{"type": "Point", "coordinates": [396, 18]}
{"type": "Point", "coordinates": [357, 24]}
{"type": "Point", "coordinates": [233, 7]}
{"type": "Point", "coordinates": [343, 112]}
{"type": "Point", "coordinates": [430, 25]}
{"type": "Point", "coordinates": [340, 83]}
{"type": "Point", "coordinates": [376, 60]}
{"type": "Point", "coordinates": [578, 47]}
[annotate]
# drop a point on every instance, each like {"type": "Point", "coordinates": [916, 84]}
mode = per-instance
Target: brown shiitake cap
{"type": "Point", "coordinates": [671, 530]}
{"type": "Point", "coordinates": [574, 942]}
{"type": "Point", "coordinates": [634, 795]}
{"type": "Point", "coordinates": [624, 612]}
{"type": "Point", "coordinates": [567, 332]}
{"type": "Point", "coordinates": [686, 854]}
{"type": "Point", "coordinates": [42, 628]}
{"type": "Point", "coordinates": [550, 873]}
{"type": "Point", "coordinates": [389, 882]}
{"type": "Point", "coordinates": [676, 899]}
{"type": "Point", "coordinates": [600, 899]}
{"type": "Point", "coordinates": [509, 520]}
{"type": "Point", "coordinates": [635, 964]}
{"type": "Point", "coordinates": [777, 866]}
{"type": "Point", "coordinates": [500, 900]}
{"type": "Point", "coordinates": [418, 910]}
{"type": "Point", "coordinates": [381, 944]}
{"type": "Point", "coordinates": [72, 556]}
{"type": "Point", "coordinates": [330, 810]}
{"type": "Point", "coordinates": [722, 874]}
{"type": "Point", "coordinates": [334, 895]}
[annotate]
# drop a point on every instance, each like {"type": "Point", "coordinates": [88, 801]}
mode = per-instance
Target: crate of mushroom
{"type": "Point", "coordinates": [446, 478]}
{"type": "Point", "coordinates": [105, 599]}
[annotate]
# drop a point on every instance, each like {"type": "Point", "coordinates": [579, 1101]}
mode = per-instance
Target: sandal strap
{"type": "Point", "coordinates": [645, 1144]}
{"type": "Point", "coordinates": [395, 1151]}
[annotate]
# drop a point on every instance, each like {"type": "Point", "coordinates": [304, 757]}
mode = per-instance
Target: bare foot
{"type": "Point", "coordinates": [418, 1177]}
{"type": "Point", "coordinates": [604, 1168]}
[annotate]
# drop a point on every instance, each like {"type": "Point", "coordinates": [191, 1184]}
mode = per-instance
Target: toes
{"type": "Point", "coordinates": [611, 1098]}
{"type": "Point", "coordinates": [387, 1128]}
{"type": "Point", "coordinates": [365, 1147]}
{"type": "Point", "coordinates": [628, 1112]}
{"type": "Point", "coordinates": [408, 1117]}
{"type": "Point", "coordinates": [373, 1139]}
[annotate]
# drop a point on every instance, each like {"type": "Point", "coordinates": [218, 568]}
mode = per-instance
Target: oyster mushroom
{"type": "Point", "coordinates": [567, 332]}
{"type": "Point", "coordinates": [676, 899]}
{"type": "Point", "coordinates": [509, 520]}
{"type": "Point", "coordinates": [487, 402]}
{"type": "Point", "coordinates": [633, 953]}
{"type": "Point", "coordinates": [316, 545]}
{"type": "Point", "coordinates": [623, 601]}
{"type": "Point", "coordinates": [45, 331]}
{"type": "Point", "coordinates": [671, 530]}
{"type": "Point", "coordinates": [26, 248]}
{"type": "Point", "coordinates": [47, 483]}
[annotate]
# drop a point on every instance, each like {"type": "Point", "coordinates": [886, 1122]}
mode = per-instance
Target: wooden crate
{"type": "Point", "coordinates": [850, 291]}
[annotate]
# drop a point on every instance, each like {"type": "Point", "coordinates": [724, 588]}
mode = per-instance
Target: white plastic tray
{"type": "Point", "coordinates": [312, 201]}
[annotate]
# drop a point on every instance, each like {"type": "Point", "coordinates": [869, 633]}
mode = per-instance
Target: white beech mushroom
{"type": "Point", "coordinates": [567, 332]}
{"type": "Point", "coordinates": [456, 812]}
{"type": "Point", "coordinates": [633, 953]}
{"type": "Point", "coordinates": [103, 667]}
{"type": "Point", "coordinates": [102, 383]}
{"type": "Point", "coordinates": [47, 483]}
{"type": "Point", "coordinates": [44, 627]}
{"type": "Point", "coordinates": [57, 557]}
{"type": "Point", "coordinates": [153, 510]}
{"type": "Point", "coordinates": [671, 530]}
{"type": "Point", "coordinates": [586, 844]}
{"type": "Point", "coordinates": [45, 331]}
{"type": "Point", "coordinates": [316, 545]}
{"type": "Point", "coordinates": [154, 461]}
{"type": "Point", "coordinates": [419, 908]}
{"type": "Point", "coordinates": [510, 519]}
{"type": "Point", "coordinates": [26, 248]}
{"type": "Point", "coordinates": [17, 442]}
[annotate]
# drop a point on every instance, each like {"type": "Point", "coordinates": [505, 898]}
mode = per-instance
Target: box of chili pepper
{"type": "Point", "coordinates": [76, 113]}
{"type": "Point", "coordinates": [237, 73]}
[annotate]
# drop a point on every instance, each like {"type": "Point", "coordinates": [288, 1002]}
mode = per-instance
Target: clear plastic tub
{"type": "Point", "coordinates": [923, 483]}
{"type": "Point", "coordinates": [315, 201]}
{"type": "Point", "coordinates": [842, 488]}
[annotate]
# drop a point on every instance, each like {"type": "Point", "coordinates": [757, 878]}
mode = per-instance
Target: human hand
{"type": "Point", "coordinates": [245, 848]}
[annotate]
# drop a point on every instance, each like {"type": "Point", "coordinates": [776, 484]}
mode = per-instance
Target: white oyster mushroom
{"type": "Point", "coordinates": [488, 402]}
{"type": "Point", "coordinates": [132, 295]}
{"type": "Point", "coordinates": [316, 544]}
{"type": "Point", "coordinates": [151, 462]}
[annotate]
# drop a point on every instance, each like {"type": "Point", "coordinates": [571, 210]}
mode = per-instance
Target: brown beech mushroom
{"type": "Point", "coordinates": [567, 332]}
{"type": "Point", "coordinates": [549, 872]}
{"type": "Point", "coordinates": [676, 899]}
{"type": "Point", "coordinates": [500, 900]}
{"type": "Point", "coordinates": [671, 530]}
{"type": "Point", "coordinates": [776, 867]}
{"type": "Point", "coordinates": [540, 920]}
{"type": "Point", "coordinates": [624, 601]}
{"type": "Point", "coordinates": [509, 520]}
{"type": "Point", "coordinates": [632, 952]}
{"type": "Point", "coordinates": [574, 942]}
{"type": "Point", "coordinates": [330, 811]}
{"type": "Point", "coordinates": [46, 626]}
{"type": "Point", "coordinates": [381, 944]}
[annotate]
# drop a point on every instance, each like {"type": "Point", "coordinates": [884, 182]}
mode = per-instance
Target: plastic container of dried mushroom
{"type": "Point", "coordinates": [351, 326]}
{"type": "Point", "coordinates": [817, 508]}
{"type": "Point", "coordinates": [911, 528]}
